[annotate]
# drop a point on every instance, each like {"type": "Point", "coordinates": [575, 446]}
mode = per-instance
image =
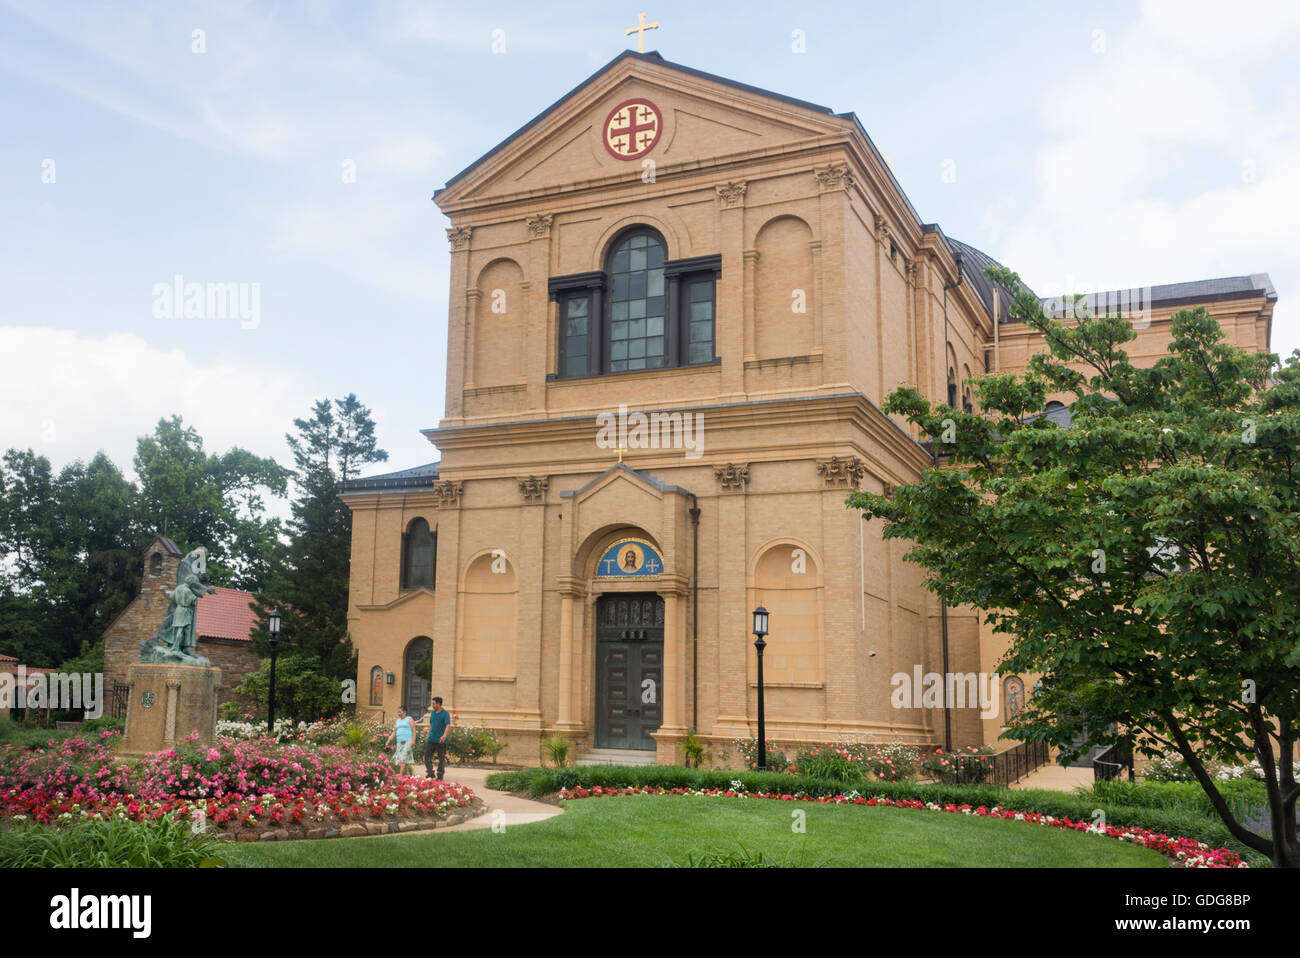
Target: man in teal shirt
{"type": "Point", "coordinates": [439, 724]}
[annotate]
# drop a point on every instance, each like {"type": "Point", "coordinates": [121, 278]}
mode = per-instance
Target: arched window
{"type": "Point", "coordinates": [1053, 406]}
{"type": "Point", "coordinates": [376, 686]}
{"type": "Point", "coordinates": [952, 388]}
{"type": "Point", "coordinates": [419, 556]}
{"type": "Point", "coordinates": [155, 564]}
{"type": "Point", "coordinates": [636, 302]}
{"type": "Point", "coordinates": [417, 675]}
{"type": "Point", "coordinates": [643, 311]}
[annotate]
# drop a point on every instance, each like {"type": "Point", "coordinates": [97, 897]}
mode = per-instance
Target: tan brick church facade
{"type": "Point", "coordinates": [677, 305]}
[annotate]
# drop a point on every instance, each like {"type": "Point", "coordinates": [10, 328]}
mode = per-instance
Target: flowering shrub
{"type": "Point", "coordinates": [894, 762]}
{"type": "Point", "coordinates": [367, 736]}
{"type": "Point", "coordinates": [469, 743]}
{"type": "Point", "coordinates": [852, 761]}
{"type": "Point", "coordinates": [1186, 851]}
{"type": "Point", "coordinates": [835, 763]}
{"type": "Point", "coordinates": [748, 748]}
{"type": "Point", "coordinates": [229, 783]}
{"type": "Point", "coordinates": [968, 765]}
{"type": "Point", "coordinates": [1171, 767]}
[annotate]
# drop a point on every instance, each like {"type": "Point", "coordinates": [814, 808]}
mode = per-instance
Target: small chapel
{"type": "Point", "coordinates": [677, 306]}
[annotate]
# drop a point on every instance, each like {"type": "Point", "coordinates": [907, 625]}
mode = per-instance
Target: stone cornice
{"type": "Point", "coordinates": [856, 408]}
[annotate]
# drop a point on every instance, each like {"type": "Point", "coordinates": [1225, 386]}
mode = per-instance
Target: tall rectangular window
{"type": "Point", "coordinates": [576, 318]}
{"type": "Point", "coordinates": [699, 320]}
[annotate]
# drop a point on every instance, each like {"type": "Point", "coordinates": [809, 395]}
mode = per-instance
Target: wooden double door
{"type": "Point", "coordinates": [629, 669]}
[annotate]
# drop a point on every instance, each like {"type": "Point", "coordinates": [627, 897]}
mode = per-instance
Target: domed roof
{"type": "Point", "coordinates": [974, 262]}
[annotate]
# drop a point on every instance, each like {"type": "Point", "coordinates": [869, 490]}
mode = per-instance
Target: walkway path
{"type": "Point", "coordinates": [517, 811]}
{"type": "Point", "coordinates": [1055, 778]}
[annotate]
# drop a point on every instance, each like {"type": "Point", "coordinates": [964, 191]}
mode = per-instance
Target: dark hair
{"type": "Point", "coordinates": [401, 708]}
{"type": "Point", "coordinates": [438, 699]}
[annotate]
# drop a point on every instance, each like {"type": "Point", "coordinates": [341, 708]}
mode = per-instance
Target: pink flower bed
{"type": "Point", "coordinates": [1185, 851]}
{"type": "Point", "coordinates": [231, 784]}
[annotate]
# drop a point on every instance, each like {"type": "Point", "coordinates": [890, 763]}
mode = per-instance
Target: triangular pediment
{"type": "Point", "coordinates": [405, 597]}
{"type": "Point", "coordinates": [622, 474]}
{"type": "Point", "coordinates": [698, 118]}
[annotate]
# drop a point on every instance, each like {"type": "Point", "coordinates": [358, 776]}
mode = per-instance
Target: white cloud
{"type": "Point", "coordinates": [1164, 163]}
{"type": "Point", "coordinates": [67, 396]}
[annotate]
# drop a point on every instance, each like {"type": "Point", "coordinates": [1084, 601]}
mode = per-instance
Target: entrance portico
{"type": "Point", "coordinates": [623, 665]}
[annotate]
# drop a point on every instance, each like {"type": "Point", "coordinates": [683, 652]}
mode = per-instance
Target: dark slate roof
{"type": "Point", "coordinates": [419, 477]}
{"type": "Point", "coordinates": [1059, 414]}
{"type": "Point", "coordinates": [974, 262]}
{"type": "Point", "coordinates": [652, 57]}
{"type": "Point", "coordinates": [1172, 294]}
{"type": "Point", "coordinates": [169, 545]}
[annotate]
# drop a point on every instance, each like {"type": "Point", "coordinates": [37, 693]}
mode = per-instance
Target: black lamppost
{"type": "Point", "coordinates": [760, 630]}
{"type": "Point", "coordinates": [272, 626]}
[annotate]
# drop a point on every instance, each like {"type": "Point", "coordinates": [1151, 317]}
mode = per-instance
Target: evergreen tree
{"type": "Point", "coordinates": [311, 585]}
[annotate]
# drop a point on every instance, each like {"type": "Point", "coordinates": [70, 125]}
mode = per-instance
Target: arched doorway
{"type": "Point", "coordinates": [629, 669]}
{"type": "Point", "coordinates": [417, 672]}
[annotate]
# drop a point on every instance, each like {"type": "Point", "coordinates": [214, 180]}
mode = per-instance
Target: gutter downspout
{"type": "Point", "coordinates": [943, 603]}
{"type": "Point", "coordinates": [695, 613]}
{"type": "Point", "coordinates": [946, 342]}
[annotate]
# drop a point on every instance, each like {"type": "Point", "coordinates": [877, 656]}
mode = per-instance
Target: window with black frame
{"type": "Point", "coordinates": [636, 303]}
{"type": "Point", "coordinates": [642, 312]}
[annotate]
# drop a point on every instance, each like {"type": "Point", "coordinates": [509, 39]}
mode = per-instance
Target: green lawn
{"type": "Point", "coordinates": [653, 831]}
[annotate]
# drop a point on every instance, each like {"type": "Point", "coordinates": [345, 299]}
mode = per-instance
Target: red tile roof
{"type": "Point", "coordinates": [7, 658]}
{"type": "Point", "coordinates": [224, 614]}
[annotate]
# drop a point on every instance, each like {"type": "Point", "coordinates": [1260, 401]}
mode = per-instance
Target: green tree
{"type": "Point", "coordinates": [310, 587]}
{"type": "Point", "coordinates": [69, 558]}
{"type": "Point", "coordinates": [302, 692]}
{"type": "Point", "coordinates": [1144, 560]}
{"type": "Point", "coordinates": [214, 501]}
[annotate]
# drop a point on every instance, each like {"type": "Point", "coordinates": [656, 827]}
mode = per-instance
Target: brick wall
{"type": "Point", "coordinates": [140, 620]}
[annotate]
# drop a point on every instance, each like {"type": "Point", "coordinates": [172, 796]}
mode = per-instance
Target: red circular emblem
{"type": "Point", "coordinates": [632, 129]}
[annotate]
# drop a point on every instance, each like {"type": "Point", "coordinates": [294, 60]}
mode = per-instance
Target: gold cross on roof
{"type": "Point", "coordinates": [621, 450]}
{"type": "Point", "coordinates": [640, 29]}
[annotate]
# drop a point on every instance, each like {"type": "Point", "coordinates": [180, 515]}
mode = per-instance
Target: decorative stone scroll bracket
{"type": "Point", "coordinates": [846, 472]}
{"type": "Point", "coordinates": [732, 476]}
{"type": "Point", "coordinates": [447, 492]}
{"type": "Point", "coordinates": [534, 487]}
{"type": "Point", "coordinates": [732, 194]}
{"type": "Point", "coordinates": [833, 177]}
{"type": "Point", "coordinates": [458, 237]}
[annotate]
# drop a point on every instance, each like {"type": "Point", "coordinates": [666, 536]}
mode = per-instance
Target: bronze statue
{"type": "Point", "coordinates": [177, 637]}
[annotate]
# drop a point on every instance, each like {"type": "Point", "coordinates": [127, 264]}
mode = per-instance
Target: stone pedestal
{"type": "Point", "coordinates": [167, 702]}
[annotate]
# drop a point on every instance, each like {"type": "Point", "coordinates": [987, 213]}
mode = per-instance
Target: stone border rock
{"type": "Point", "coordinates": [386, 826]}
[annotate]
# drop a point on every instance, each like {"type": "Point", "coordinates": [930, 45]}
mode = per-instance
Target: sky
{"type": "Point", "coordinates": [293, 148]}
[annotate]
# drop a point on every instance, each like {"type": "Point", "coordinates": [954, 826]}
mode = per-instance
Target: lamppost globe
{"type": "Point", "coordinates": [760, 622]}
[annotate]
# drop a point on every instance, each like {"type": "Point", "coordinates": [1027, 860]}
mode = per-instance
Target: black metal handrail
{"type": "Point", "coordinates": [1110, 762]}
{"type": "Point", "coordinates": [1003, 768]}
